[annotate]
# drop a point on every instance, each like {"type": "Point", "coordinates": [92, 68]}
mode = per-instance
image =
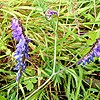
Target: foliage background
{"type": "Point", "coordinates": [52, 72]}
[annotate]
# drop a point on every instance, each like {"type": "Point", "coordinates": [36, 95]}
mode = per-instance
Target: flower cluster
{"type": "Point", "coordinates": [49, 13]}
{"type": "Point", "coordinates": [94, 52]}
{"type": "Point", "coordinates": [21, 48]}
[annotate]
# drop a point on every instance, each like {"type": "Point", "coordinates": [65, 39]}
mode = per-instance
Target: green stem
{"type": "Point", "coordinates": [17, 90]}
{"type": "Point", "coordinates": [55, 49]}
{"type": "Point", "coordinates": [55, 31]}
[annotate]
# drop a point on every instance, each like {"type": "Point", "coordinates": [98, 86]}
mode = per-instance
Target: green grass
{"type": "Point", "coordinates": [52, 72]}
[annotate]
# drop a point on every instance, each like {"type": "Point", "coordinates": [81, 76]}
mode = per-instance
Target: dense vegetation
{"type": "Point", "coordinates": [52, 72]}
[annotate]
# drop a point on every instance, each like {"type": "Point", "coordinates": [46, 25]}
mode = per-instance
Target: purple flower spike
{"type": "Point", "coordinates": [94, 52]}
{"type": "Point", "coordinates": [17, 28]}
{"type": "Point", "coordinates": [49, 13]}
{"type": "Point", "coordinates": [21, 51]}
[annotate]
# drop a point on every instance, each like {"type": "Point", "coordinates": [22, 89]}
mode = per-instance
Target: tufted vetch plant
{"type": "Point", "coordinates": [21, 52]}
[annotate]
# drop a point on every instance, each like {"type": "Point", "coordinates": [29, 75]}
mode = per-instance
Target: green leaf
{"type": "Point", "coordinates": [29, 86]}
{"type": "Point", "coordinates": [26, 82]}
{"type": "Point", "coordinates": [73, 73]}
{"type": "Point", "coordinates": [33, 80]}
{"type": "Point", "coordinates": [2, 98]}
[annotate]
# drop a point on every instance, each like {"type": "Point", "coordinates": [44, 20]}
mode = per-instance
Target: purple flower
{"type": "Point", "coordinates": [87, 58]}
{"type": "Point", "coordinates": [17, 28]}
{"type": "Point", "coordinates": [49, 13]}
{"type": "Point", "coordinates": [97, 51]}
{"type": "Point", "coordinates": [21, 51]}
{"type": "Point", "coordinates": [94, 52]}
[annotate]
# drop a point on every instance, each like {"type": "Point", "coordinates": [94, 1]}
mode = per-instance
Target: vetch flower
{"type": "Point", "coordinates": [94, 52]}
{"type": "Point", "coordinates": [49, 13]}
{"type": "Point", "coordinates": [87, 58]}
{"type": "Point", "coordinates": [18, 29]}
{"type": "Point", "coordinates": [21, 52]}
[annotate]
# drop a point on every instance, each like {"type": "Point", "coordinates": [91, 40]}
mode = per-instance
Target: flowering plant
{"type": "Point", "coordinates": [94, 52]}
{"type": "Point", "coordinates": [21, 51]}
{"type": "Point", "coordinates": [49, 13]}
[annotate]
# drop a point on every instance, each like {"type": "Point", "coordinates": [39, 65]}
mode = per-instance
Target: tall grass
{"type": "Point", "coordinates": [52, 72]}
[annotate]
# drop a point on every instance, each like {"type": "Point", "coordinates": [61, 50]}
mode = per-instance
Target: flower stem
{"type": "Point", "coordinates": [17, 90]}
{"type": "Point", "coordinates": [55, 31]}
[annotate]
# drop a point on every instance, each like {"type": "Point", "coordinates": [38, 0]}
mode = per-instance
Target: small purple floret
{"type": "Point", "coordinates": [49, 13]}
